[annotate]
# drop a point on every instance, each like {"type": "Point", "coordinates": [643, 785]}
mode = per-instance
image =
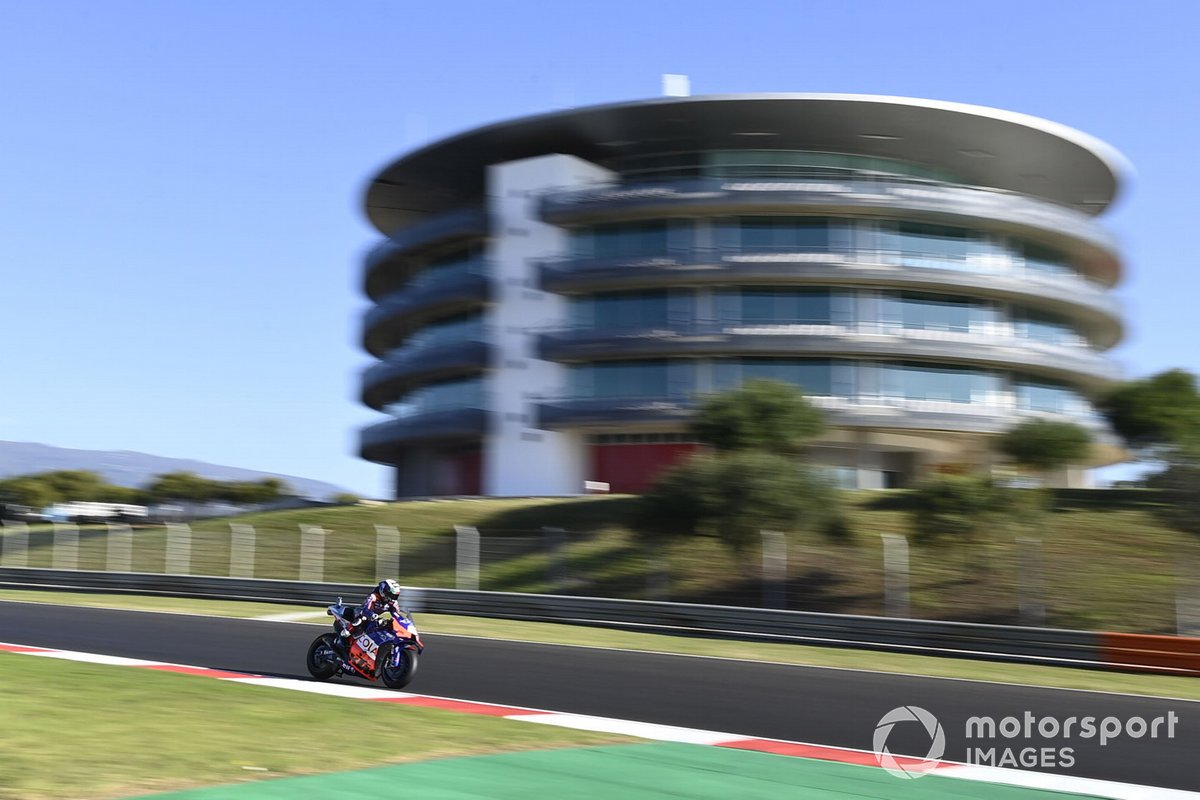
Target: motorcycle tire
{"type": "Point", "coordinates": [399, 676]}
{"type": "Point", "coordinates": [324, 668]}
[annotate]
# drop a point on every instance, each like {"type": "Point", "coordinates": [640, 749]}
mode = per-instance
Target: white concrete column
{"type": "Point", "coordinates": [520, 459]}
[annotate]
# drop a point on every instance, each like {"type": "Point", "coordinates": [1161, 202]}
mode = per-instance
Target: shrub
{"type": "Point", "coordinates": [733, 496]}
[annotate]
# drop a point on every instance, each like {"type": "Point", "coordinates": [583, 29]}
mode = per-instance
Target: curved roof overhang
{"type": "Point", "coordinates": [986, 146]}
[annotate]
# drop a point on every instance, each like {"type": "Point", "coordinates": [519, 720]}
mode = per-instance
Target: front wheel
{"type": "Point", "coordinates": [323, 659]}
{"type": "Point", "coordinates": [397, 677]}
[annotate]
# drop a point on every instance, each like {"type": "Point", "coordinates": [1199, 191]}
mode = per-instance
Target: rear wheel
{"type": "Point", "coordinates": [323, 659]}
{"type": "Point", "coordinates": [397, 677]}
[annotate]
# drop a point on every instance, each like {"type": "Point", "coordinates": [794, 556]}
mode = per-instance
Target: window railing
{"type": "Point", "coordinates": [1000, 263]}
{"type": "Point", "coordinates": [1003, 405]}
{"type": "Point", "coordinates": [997, 333]}
{"type": "Point", "coordinates": [431, 338]}
{"type": "Point", "coordinates": [852, 181]}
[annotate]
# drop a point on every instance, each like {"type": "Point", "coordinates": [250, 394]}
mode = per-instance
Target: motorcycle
{"type": "Point", "coordinates": [381, 651]}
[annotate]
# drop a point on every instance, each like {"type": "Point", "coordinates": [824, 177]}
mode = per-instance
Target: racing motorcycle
{"type": "Point", "coordinates": [386, 649]}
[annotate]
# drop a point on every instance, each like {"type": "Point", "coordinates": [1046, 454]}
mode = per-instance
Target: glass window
{"type": "Point", "coordinates": [458, 328]}
{"type": "Point", "coordinates": [1039, 395]}
{"type": "Point", "coordinates": [631, 310]}
{"type": "Point", "coordinates": [466, 393]}
{"type": "Point", "coordinates": [1045, 327]}
{"type": "Point", "coordinates": [776, 234]}
{"type": "Point", "coordinates": [841, 477]}
{"type": "Point", "coordinates": [775, 304]}
{"type": "Point", "coordinates": [813, 375]}
{"type": "Point", "coordinates": [660, 378]}
{"type": "Point", "coordinates": [1039, 258]}
{"type": "Point", "coordinates": [920, 244]}
{"type": "Point", "coordinates": [631, 239]}
{"type": "Point", "coordinates": [450, 267]}
{"type": "Point", "coordinates": [947, 384]}
{"type": "Point", "coordinates": [936, 312]}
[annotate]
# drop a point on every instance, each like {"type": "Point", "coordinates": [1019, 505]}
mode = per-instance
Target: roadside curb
{"type": "Point", "coordinates": [642, 730]}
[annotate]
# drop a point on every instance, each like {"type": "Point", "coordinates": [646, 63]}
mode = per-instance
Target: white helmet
{"type": "Point", "coordinates": [388, 589]}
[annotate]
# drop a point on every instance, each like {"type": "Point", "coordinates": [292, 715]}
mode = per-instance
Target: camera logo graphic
{"type": "Point", "coordinates": [908, 767]}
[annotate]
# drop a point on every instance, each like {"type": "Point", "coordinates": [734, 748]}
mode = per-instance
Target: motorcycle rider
{"type": "Point", "coordinates": [384, 599]}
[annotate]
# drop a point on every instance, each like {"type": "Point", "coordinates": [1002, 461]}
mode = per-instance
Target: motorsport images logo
{"type": "Point", "coordinates": [1027, 741]}
{"type": "Point", "coordinates": [906, 766]}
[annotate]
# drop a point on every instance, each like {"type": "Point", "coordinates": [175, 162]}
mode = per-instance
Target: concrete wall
{"type": "Point", "coordinates": [520, 459]}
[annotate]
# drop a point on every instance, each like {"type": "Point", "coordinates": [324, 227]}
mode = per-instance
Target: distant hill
{"type": "Point", "coordinates": [127, 468]}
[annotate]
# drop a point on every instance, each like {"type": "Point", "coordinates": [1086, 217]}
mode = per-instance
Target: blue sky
{"type": "Point", "coordinates": [180, 183]}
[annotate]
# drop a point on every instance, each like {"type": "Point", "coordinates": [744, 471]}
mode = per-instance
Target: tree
{"type": "Point", "coordinates": [734, 495]}
{"type": "Point", "coordinates": [346, 498]}
{"type": "Point", "coordinates": [183, 486]}
{"type": "Point", "coordinates": [763, 415]}
{"type": "Point", "coordinates": [1161, 411]}
{"type": "Point", "coordinates": [28, 490]}
{"type": "Point", "coordinates": [1043, 445]}
{"type": "Point", "coordinates": [952, 509]}
{"type": "Point", "coordinates": [1179, 483]}
{"type": "Point", "coordinates": [76, 485]}
{"type": "Point", "coordinates": [250, 493]}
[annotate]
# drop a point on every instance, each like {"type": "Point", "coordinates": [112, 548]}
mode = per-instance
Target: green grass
{"type": "Point", "coordinates": [555, 633]}
{"type": "Point", "coordinates": [82, 730]}
{"type": "Point", "coordinates": [1108, 560]}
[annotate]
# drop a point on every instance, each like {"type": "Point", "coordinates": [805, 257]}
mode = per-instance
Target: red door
{"type": "Point", "coordinates": [632, 468]}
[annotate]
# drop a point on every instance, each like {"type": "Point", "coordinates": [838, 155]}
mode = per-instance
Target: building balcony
{"type": "Point", "coordinates": [1074, 362]}
{"type": "Point", "coordinates": [885, 197]}
{"type": "Point", "coordinates": [427, 297]}
{"type": "Point", "coordinates": [866, 411]}
{"type": "Point", "coordinates": [385, 441]}
{"type": "Point", "coordinates": [383, 260]}
{"type": "Point", "coordinates": [423, 362]}
{"type": "Point", "coordinates": [1071, 295]}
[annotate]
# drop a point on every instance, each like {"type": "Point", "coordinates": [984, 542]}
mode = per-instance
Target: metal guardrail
{"type": "Point", "coordinates": [992, 642]}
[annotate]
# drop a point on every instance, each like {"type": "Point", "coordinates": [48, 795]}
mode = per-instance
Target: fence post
{"type": "Point", "coordinates": [118, 555]}
{"type": "Point", "coordinates": [658, 577]}
{"type": "Point", "coordinates": [14, 551]}
{"type": "Point", "coordinates": [179, 548]}
{"type": "Point", "coordinates": [895, 575]}
{"type": "Point", "coordinates": [387, 551]}
{"type": "Point", "coordinates": [1187, 594]}
{"type": "Point", "coordinates": [556, 558]}
{"type": "Point", "coordinates": [241, 550]}
{"type": "Point", "coordinates": [66, 545]}
{"type": "Point", "coordinates": [467, 558]}
{"type": "Point", "coordinates": [774, 569]}
{"type": "Point", "coordinates": [1032, 606]}
{"type": "Point", "coordinates": [312, 553]}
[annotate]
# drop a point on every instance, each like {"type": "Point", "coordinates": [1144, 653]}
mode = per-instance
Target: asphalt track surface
{"type": "Point", "coordinates": [807, 704]}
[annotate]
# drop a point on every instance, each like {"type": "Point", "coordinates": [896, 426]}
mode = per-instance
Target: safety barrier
{"type": "Point", "coordinates": [1174, 653]}
{"type": "Point", "coordinates": [993, 642]}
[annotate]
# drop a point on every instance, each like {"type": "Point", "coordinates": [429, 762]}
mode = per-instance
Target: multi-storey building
{"type": "Point", "coordinates": [554, 292]}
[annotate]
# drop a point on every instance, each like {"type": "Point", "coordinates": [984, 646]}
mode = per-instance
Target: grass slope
{"type": "Point", "coordinates": [80, 730]}
{"type": "Point", "coordinates": [1107, 566]}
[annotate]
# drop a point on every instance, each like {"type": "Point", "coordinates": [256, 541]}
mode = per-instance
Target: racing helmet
{"type": "Point", "coordinates": [388, 589]}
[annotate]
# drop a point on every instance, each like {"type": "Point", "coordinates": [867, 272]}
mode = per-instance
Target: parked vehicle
{"type": "Point", "coordinates": [384, 649]}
